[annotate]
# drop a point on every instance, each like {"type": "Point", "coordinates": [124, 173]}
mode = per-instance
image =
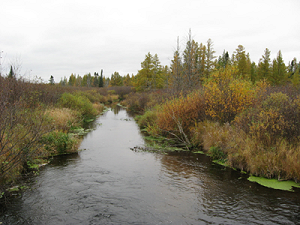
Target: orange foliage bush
{"type": "Point", "coordinates": [181, 112]}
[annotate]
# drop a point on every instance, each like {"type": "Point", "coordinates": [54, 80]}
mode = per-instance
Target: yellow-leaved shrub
{"type": "Point", "coordinates": [227, 96]}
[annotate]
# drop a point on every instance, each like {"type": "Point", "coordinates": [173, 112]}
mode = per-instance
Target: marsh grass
{"type": "Point", "coordinates": [63, 118]}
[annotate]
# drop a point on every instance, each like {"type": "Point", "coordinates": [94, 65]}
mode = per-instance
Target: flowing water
{"type": "Point", "coordinates": [107, 183]}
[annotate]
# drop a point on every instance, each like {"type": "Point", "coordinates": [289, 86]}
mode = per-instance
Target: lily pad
{"type": "Point", "coordinates": [275, 184]}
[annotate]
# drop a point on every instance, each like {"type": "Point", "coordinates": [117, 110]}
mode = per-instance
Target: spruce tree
{"type": "Point", "coordinates": [11, 73]}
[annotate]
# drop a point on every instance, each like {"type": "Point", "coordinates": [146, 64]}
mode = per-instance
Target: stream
{"type": "Point", "coordinates": [108, 183]}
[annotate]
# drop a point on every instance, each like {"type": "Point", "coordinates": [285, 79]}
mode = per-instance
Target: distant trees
{"type": "Point", "coordinates": [193, 67]}
{"type": "Point", "coordinates": [86, 81]}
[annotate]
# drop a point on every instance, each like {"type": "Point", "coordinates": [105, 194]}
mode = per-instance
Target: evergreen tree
{"type": "Point", "coordinates": [116, 80]}
{"type": "Point", "coordinates": [293, 67]}
{"type": "Point", "coordinates": [101, 79]}
{"type": "Point", "coordinates": [190, 59]}
{"type": "Point", "coordinates": [72, 80]}
{"type": "Point", "coordinates": [223, 60]}
{"type": "Point", "coordinates": [144, 76]}
{"type": "Point", "coordinates": [51, 81]}
{"type": "Point", "coordinates": [127, 80]}
{"type": "Point", "coordinates": [241, 62]}
{"type": "Point", "coordinates": [209, 65]}
{"type": "Point", "coordinates": [264, 70]}
{"type": "Point", "coordinates": [96, 80]}
{"type": "Point", "coordinates": [279, 73]}
{"type": "Point", "coordinates": [11, 73]}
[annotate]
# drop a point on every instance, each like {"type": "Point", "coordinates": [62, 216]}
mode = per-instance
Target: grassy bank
{"type": "Point", "coordinates": [252, 127]}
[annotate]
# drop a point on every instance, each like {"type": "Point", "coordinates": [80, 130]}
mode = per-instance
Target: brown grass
{"type": "Point", "coordinates": [63, 118]}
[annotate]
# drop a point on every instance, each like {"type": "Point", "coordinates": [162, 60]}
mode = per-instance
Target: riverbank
{"type": "Point", "coordinates": [41, 120]}
{"type": "Point", "coordinates": [255, 131]}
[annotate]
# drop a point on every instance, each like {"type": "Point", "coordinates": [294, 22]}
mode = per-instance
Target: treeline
{"type": "Point", "coordinates": [191, 67]}
{"type": "Point", "coordinates": [95, 81]}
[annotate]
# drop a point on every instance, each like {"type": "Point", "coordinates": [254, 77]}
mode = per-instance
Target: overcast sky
{"type": "Point", "coordinates": [62, 37]}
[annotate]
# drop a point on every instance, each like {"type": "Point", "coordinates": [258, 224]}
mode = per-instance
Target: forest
{"type": "Point", "coordinates": [243, 114]}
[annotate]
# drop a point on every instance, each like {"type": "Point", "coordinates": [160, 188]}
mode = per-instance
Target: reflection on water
{"type": "Point", "coordinates": [65, 160]}
{"type": "Point", "coordinates": [110, 184]}
{"type": "Point", "coordinates": [116, 109]}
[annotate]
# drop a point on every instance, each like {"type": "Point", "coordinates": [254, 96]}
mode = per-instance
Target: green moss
{"type": "Point", "coordinates": [275, 184]}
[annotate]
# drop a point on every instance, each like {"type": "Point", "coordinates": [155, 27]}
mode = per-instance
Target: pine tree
{"type": "Point", "coordinates": [264, 70]}
{"type": "Point", "coordinates": [209, 64]}
{"type": "Point", "coordinates": [11, 73]}
{"type": "Point", "coordinates": [279, 73]}
{"type": "Point", "coordinates": [241, 62]}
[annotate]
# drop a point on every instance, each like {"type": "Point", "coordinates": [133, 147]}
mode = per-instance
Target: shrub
{"type": "Point", "coordinates": [59, 143]}
{"type": "Point", "coordinates": [148, 118]}
{"type": "Point", "coordinates": [22, 123]}
{"type": "Point", "coordinates": [92, 95]}
{"type": "Point", "coordinates": [137, 102]}
{"type": "Point", "coordinates": [277, 118]}
{"type": "Point", "coordinates": [121, 91]}
{"type": "Point", "coordinates": [181, 112]}
{"type": "Point", "coordinates": [79, 103]}
{"type": "Point", "coordinates": [176, 117]}
{"type": "Point", "coordinates": [226, 96]}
